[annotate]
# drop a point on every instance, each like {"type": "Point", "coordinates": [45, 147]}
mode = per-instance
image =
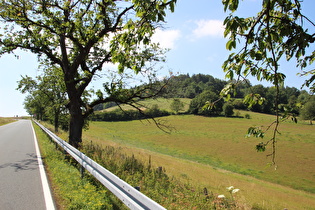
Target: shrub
{"type": "Point", "coordinates": [197, 104]}
{"type": "Point", "coordinates": [126, 115]}
{"type": "Point", "coordinates": [228, 109]}
{"type": "Point", "coordinates": [247, 116]}
{"type": "Point", "coordinates": [239, 104]}
{"type": "Point", "coordinates": [177, 105]}
{"type": "Point", "coordinates": [237, 113]}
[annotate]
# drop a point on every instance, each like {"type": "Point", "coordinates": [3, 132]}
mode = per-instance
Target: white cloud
{"type": "Point", "coordinates": [213, 28]}
{"type": "Point", "coordinates": [166, 38]}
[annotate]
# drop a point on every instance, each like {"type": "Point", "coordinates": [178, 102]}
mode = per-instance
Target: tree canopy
{"type": "Point", "coordinates": [82, 37]}
{"type": "Point", "coordinates": [47, 97]}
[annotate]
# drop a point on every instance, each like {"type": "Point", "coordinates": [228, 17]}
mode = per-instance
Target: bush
{"type": "Point", "coordinates": [177, 105]}
{"type": "Point", "coordinates": [247, 116]}
{"type": "Point", "coordinates": [127, 115]}
{"type": "Point", "coordinates": [237, 114]}
{"type": "Point", "coordinates": [228, 109]}
{"type": "Point", "coordinates": [238, 104]}
{"type": "Point", "coordinates": [308, 111]}
{"type": "Point", "coordinates": [197, 104]}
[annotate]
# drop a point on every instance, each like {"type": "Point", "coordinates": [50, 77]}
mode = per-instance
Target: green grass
{"type": "Point", "coordinates": [219, 143]}
{"type": "Point", "coordinates": [200, 147]}
{"type": "Point", "coordinates": [70, 191]}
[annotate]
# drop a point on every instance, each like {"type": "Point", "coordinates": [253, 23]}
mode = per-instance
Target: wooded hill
{"type": "Point", "coordinates": [203, 89]}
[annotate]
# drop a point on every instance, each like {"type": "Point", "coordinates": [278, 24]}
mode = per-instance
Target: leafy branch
{"type": "Point", "coordinates": [273, 33]}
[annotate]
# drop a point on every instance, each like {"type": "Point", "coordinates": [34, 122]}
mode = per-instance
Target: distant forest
{"type": "Point", "coordinates": [203, 89]}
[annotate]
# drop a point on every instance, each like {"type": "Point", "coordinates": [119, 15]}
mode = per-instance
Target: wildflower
{"type": "Point", "coordinates": [230, 188]}
{"type": "Point", "coordinates": [221, 196]}
{"type": "Point", "coordinates": [235, 190]}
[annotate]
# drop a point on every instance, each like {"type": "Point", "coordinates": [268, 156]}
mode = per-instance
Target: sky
{"type": "Point", "coordinates": [193, 34]}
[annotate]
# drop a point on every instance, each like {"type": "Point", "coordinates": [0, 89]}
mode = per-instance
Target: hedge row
{"type": "Point", "coordinates": [126, 115]}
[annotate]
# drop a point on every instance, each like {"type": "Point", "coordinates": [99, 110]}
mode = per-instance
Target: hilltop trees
{"type": "Point", "coordinates": [81, 37]}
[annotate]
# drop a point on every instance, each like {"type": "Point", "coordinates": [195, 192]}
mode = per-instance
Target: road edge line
{"type": "Point", "coordinates": [46, 189]}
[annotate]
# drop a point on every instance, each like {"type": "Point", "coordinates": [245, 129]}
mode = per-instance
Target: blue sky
{"type": "Point", "coordinates": [193, 33]}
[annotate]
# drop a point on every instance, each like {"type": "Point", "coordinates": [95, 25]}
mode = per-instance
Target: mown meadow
{"type": "Point", "coordinates": [212, 152]}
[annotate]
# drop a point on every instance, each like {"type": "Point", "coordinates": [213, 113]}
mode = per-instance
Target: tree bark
{"type": "Point", "coordinates": [76, 124]}
{"type": "Point", "coordinates": [56, 123]}
{"type": "Point", "coordinates": [76, 117]}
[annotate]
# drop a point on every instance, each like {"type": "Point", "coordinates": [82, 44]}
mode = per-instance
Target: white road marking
{"type": "Point", "coordinates": [47, 193]}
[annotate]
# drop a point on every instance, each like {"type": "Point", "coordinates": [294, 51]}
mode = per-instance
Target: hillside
{"type": "Point", "coordinates": [162, 103]}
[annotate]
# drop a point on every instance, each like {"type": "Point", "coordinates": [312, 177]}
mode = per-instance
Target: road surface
{"type": "Point", "coordinates": [20, 177]}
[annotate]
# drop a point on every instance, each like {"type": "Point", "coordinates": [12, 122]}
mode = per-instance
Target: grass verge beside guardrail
{"type": "Point", "coordinates": [70, 190]}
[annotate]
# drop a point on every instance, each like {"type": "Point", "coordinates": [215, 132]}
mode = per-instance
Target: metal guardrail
{"type": "Point", "coordinates": [130, 196]}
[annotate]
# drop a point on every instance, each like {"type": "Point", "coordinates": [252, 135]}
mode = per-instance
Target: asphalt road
{"type": "Point", "coordinates": [20, 179]}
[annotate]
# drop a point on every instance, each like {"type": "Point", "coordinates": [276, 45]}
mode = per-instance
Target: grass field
{"type": "Point", "coordinates": [5, 120]}
{"type": "Point", "coordinates": [206, 151]}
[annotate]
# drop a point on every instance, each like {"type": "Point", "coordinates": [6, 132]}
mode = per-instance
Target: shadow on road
{"type": "Point", "coordinates": [30, 163]}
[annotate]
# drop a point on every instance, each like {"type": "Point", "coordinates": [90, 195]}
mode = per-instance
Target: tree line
{"type": "Point", "coordinates": [47, 99]}
{"type": "Point", "coordinates": [204, 90]}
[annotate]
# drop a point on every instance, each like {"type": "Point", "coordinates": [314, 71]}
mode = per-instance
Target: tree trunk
{"type": "Point", "coordinates": [56, 121]}
{"type": "Point", "coordinates": [76, 124]}
{"type": "Point", "coordinates": [76, 118]}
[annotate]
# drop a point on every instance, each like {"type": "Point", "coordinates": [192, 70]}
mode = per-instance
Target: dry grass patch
{"type": "Point", "coordinates": [6, 120]}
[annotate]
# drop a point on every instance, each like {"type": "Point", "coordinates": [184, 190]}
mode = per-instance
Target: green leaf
{"type": "Point", "coordinates": [261, 147]}
{"type": "Point", "coordinates": [172, 6]}
{"type": "Point", "coordinates": [256, 132]}
{"type": "Point", "coordinates": [230, 44]}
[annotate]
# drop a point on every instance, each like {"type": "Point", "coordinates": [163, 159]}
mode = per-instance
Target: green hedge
{"type": "Point", "coordinates": [127, 115]}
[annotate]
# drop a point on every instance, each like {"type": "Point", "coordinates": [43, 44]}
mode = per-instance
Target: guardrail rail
{"type": "Point", "coordinates": [130, 196]}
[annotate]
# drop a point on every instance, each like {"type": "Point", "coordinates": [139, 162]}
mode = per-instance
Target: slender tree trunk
{"type": "Point", "coordinates": [56, 121]}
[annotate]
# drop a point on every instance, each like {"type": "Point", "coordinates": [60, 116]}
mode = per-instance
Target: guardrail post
{"type": "Point", "coordinates": [82, 171]}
